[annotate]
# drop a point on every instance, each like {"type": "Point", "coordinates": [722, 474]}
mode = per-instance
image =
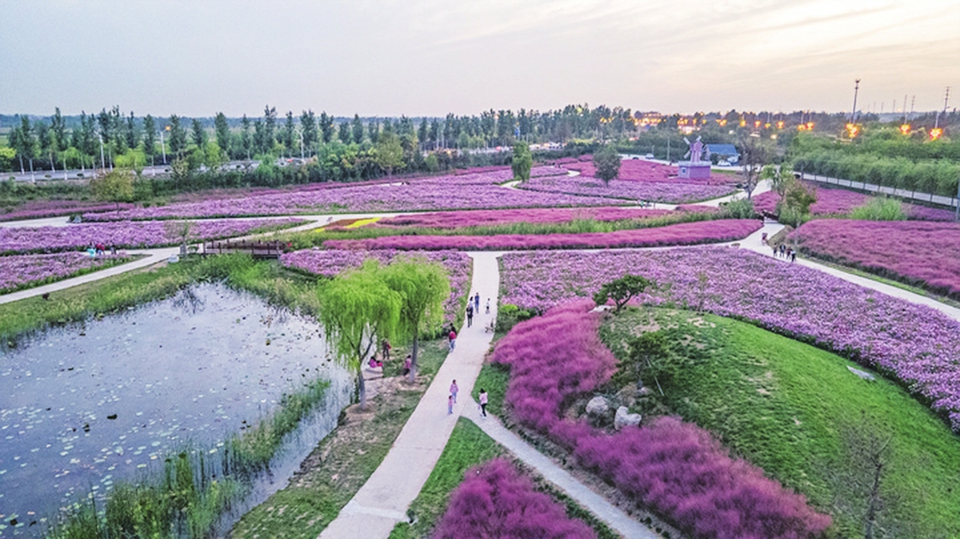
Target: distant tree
{"type": "Point", "coordinates": [269, 137]}
{"type": "Point", "coordinates": [607, 162]}
{"type": "Point", "coordinates": [522, 161]}
{"type": "Point", "coordinates": [288, 133]}
{"type": "Point", "coordinates": [389, 152]}
{"type": "Point", "coordinates": [132, 137]}
{"type": "Point", "coordinates": [178, 136]}
{"type": "Point", "coordinates": [246, 140]}
{"type": "Point", "coordinates": [344, 134]}
{"type": "Point", "coordinates": [113, 186]}
{"type": "Point", "coordinates": [308, 122]}
{"type": "Point", "coordinates": [223, 132]}
{"type": "Point", "coordinates": [753, 157]}
{"type": "Point", "coordinates": [622, 290]}
{"type": "Point", "coordinates": [149, 137]}
{"type": "Point", "coordinates": [199, 134]}
{"type": "Point", "coordinates": [356, 128]}
{"type": "Point", "coordinates": [358, 310]}
{"type": "Point", "coordinates": [326, 127]}
{"type": "Point", "coordinates": [423, 287]}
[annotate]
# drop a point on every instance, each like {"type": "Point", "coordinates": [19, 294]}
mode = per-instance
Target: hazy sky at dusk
{"type": "Point", "coordinates": [430, 57]}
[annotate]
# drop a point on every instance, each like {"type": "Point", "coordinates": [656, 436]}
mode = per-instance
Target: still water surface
{"type": "Point", "coordinates": [84, 406]}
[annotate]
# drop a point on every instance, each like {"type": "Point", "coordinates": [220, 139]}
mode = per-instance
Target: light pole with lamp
{"type": "Point", "coordinates": [163, 149]}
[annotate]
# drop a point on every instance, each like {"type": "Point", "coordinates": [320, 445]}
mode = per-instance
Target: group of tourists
{"type": "Point", "coordinates": [452, 399]}
{"type": "Point", "coordinates": [376, 362]}
{"type": "Point", "coordinates": [787, 253]}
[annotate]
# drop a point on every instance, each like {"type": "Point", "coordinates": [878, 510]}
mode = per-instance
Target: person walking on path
{"type": "Point", "coordinates": [386, 350]}
{"type": "Point", "coordinates": [488, 305]}
{"type": "Point", "coordinates": [476, 302]}
{"type": "Point", "coordinates": [454, 390]}
{"type": "Point", "coordinates": [793, 256]}
{"type": "Point", "coordinates": [469, 315]}
{"type": "Point", "coordinates": [407, 363]}
{"type": "Point", "coordinates": [453, 339]}
{"type": "Point", "coordinates": [483, 402]}
{"type": "Point", "coordinates": [450, 401]}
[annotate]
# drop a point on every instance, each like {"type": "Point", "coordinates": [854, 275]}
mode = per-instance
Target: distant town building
{"type": "Point", "coordinates": [725, 152]}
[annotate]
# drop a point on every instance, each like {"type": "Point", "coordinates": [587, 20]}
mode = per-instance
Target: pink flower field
{"type": "Point", "coordinates": [680, 234]}
{"type": "Point", "coordinates": [922, 253]}
{"type": "Point", "coordinates": [676, 469]}
{"type": "Point", "coordinates": [329, 263]}
{"type": "Point", "coordinates": [137, 234]}
{"type": "Point", "coordinates": [36, 209]}
{"type": "Point", "coordinates": [450, 192]}
{"type": "Point", "coordinates": [840, 202]}
{"type": "Point", "coordinates": [25, 271]}
{"type": "Point", "coordinates": [494, 500]}
{"type": "Point", "coordinates": [668, 192]}
{"type": "Point", "coordinates": [460, 219]}
{"type": "Point", "coordinates": [914, 345]}
{"type": "Point", "coordinates": [638, 170]}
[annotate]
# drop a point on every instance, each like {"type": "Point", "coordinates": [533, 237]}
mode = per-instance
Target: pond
{"type": "Point", "coordinates": [87, 405]}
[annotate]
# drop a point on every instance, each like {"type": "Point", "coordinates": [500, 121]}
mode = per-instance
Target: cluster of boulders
{"type": "Point", "coordinates": [601, 413]}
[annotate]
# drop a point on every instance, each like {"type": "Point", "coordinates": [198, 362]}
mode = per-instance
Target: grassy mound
{"type": "Point", "coordinates": [797, 412]}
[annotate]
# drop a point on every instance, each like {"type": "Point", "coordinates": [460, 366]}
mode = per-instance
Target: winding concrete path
{"type": "Point", "coordinates": [610, 514]}
{"type": "Point", "coordinates": [383, 500]}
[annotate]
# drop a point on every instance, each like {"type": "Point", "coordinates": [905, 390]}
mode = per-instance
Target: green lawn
{"type": "Point", "coordinates": [801, 415]}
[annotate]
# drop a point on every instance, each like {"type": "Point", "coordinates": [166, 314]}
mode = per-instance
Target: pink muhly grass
{"type": "Point", "coordinates": [674, 468]}
{"type": "Point", "coordinates": [494, 501]}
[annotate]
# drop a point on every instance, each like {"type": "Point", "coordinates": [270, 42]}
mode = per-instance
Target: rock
{"type": "Point", "coordinates": [598, 407]}
{"type": "Point", "coordinates": [644, 391]}
{"type": "Point", "coordinates": [865, 375]}
{"type": "Point", "coordinates": [624, 418]}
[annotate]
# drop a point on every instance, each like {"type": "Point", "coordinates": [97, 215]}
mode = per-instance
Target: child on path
{"type": "Point", "coordinates": [407, 363]}
{"type": "Point", "coordinates": [469, 315]}
{"type": "Point", "coordinates": [450, 404]}
{"type": "Point", "coordinates": [483, 402]}
{"type": "Point", "coordinates": [453, 339]}
{"type": "Point", "coordinates": [454, 390]}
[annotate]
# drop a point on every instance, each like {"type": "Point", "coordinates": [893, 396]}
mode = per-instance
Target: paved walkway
{"type": "Point", "coordinates": [383, 500]}
{"type": "Point", "coordinates": [610, 514]}
{"type": "Point", "coordinates": [153, 256]}
{"type": "Point", "coordinates": [755, 243]}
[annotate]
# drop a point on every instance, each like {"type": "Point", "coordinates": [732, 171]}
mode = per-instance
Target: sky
{"type": "Point", "coordinates": [431, 57]}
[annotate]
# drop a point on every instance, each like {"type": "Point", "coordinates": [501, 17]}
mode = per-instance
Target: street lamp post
{"type": "Point", "coordinates": [856, 90]}
{"type": "Point", "coordinates": [163, 149]}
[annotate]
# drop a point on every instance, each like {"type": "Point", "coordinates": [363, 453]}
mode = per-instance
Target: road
{"type": "Point", "coordinates": [86, 174]}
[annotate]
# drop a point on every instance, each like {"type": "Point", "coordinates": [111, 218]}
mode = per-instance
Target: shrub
{"type": "Point", "coordinates": [880, 209]}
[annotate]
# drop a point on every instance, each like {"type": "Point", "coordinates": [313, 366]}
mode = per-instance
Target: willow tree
{"type": "Point", "coordinates": [358, 310]}
{"type": "Point", "coordinates": [423, 286]}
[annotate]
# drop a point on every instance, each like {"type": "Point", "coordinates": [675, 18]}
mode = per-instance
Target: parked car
{"type": "Point", "coordinates": [723, 163]}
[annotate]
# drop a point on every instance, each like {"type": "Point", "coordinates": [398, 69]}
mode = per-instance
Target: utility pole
{"type": "Point", "coordinates": [856, 90]}
{"type": "Point", "coordinates": [913, 101]}
{"type": "Point", "coordinates": [946, 98]}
